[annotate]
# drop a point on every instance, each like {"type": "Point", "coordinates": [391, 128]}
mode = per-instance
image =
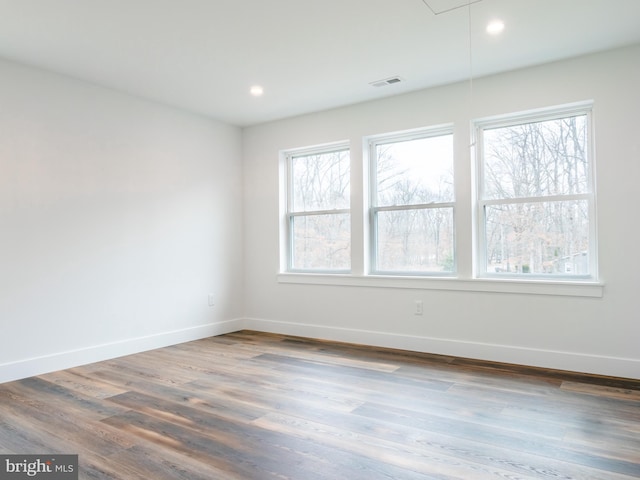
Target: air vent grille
{"type": "Point", "coordinates": [385, 82]}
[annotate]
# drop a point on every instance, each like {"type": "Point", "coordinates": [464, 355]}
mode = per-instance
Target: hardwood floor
{"type": "Point", "coordinates": [250, 405]}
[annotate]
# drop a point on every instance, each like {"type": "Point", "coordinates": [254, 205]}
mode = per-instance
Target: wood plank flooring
{"type": "Point", "coordinates": [251, 405]}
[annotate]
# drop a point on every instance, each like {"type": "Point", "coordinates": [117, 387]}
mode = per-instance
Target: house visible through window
{"type": "Point", "coordinates": [536, 214]}
{"type": "Point", "coordinates": [319, 219]}
{"type": "Point", "coordinates": [412, 203]}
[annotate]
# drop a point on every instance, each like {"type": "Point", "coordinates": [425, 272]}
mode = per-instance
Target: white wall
{"type": "Point", "coordinates": [117, 218]}
{"type": "Point", "coordinates": [597, 335]}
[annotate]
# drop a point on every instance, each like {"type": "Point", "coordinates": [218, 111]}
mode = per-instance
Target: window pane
{"type": "Point", "coordinates": [321, 242]}
{"type": "Point", "coordinates": [538, 238]}
{"type": "Point", "coordinates": [419, 240]}
{"type": "Point", "coordinates": [320, 181]}
{"type": "Point", "coordinates": [536, 159]}
{"type": "Point", "coordinates": [415, 172]}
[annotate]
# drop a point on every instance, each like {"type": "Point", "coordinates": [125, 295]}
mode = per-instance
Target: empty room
{"type": "Point", "coordinates": [350, 239]}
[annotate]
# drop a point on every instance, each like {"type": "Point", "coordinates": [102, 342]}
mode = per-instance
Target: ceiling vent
{"type": "Point", "coordinates": [385, 82]}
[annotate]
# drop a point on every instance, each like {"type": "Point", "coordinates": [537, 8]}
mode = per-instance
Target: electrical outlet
{"type": "Point", "coordinates": [418, 307]}
{"type": "Point", "coordinates": [212, 300]}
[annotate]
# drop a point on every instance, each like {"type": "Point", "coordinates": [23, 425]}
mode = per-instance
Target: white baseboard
{"type": "Point", "coordinates": [575, 362]}
{"type": "Point", "coordinates": [95, 353]}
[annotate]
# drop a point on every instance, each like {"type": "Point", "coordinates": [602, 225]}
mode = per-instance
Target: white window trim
{"type": "Point", "coordinates": [537, 115]}
{"type": "Point", "coordinates": [287, 216]}
{"type": "Point", "coordinates": [515, 286]}
{"type": "Point", "coordinates": [371, 180]}
{"type": "Point", "coordinates": [466, 280]}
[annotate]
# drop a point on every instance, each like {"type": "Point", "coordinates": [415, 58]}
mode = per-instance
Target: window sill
{"type": "Point", "coordinates": [530, 287]}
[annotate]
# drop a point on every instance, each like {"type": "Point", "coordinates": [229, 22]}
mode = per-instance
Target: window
{"type": "Point", "coordinates": [318, 215]}
{"type": "Point", "coordinates": [536, 196]}
{"type": "Point", "coordinates": [412, 203]}
{"type": "Point", "coordinates": [525, 223]}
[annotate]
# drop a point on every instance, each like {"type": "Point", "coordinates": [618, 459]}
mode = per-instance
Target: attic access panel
{"type": "Point", "coordinates": [443, 6]}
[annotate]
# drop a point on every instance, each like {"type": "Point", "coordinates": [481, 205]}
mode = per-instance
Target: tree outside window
{"type": "Point", "coordinates": [319, 218]}
{"type": "Point", "coordinates": [412, 213]}
{"type": "Point", "coordinates": [536, 197]}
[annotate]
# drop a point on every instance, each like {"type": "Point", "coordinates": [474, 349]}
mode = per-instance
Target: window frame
{"type": "Point", "coordinates": [372, 142]}
{"type": "Point", "coordinates": [467, 276]}
{"type": "Point", "coordinates": [480, 231]}
{"type": "Point", "coordinates": [290, 215]}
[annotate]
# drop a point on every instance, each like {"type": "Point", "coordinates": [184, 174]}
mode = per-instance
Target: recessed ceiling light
{"type": "Point", "coordinates": [256, 90]}
{"type": "Point", "coordinates": [495, 27]}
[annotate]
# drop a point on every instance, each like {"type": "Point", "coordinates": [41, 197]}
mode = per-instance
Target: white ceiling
{"type": "Point", "coordinates": [203, 55]}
